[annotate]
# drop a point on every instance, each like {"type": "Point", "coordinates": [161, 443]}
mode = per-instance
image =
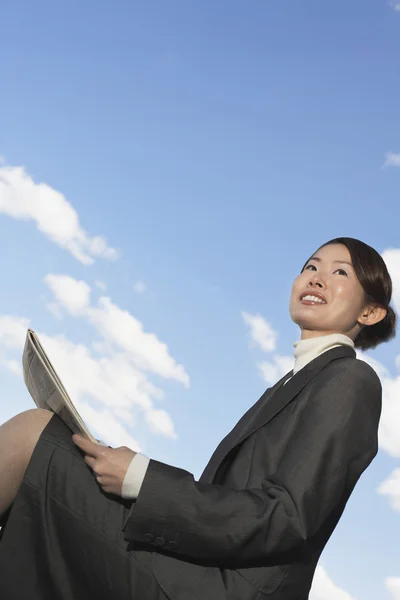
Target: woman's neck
{"type": "Point", "coordinates": [307, 334]}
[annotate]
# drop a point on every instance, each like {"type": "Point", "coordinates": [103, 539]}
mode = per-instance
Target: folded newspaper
{"type": "Point", "coordinates": [46, 387]}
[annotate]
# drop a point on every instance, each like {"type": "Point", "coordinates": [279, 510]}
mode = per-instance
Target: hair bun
{"type": "Point", "coordinates": [385, 330]}
{"type": "Point", "coordinates": [391, 316]}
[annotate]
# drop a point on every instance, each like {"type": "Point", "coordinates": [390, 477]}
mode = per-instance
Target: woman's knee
{"type": "Point", "coordinates": [18, 438]}
{"type": "Point", "coordinates": [34, 421]}
{"type": "Point", "coordinates": [26, 427]}
{"type": "Point", "coordinates": [34, 417]}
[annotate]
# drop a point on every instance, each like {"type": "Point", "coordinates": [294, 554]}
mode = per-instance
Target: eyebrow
{"type": "Point", "coordinates": [335, 261]}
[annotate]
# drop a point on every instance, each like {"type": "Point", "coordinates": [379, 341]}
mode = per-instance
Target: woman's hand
{"type": "Point", "coordinates": [109, 465]}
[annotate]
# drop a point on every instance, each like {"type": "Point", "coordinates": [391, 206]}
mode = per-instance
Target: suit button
{"type": "Point", "coordinates": [148, 538]}
{"type": "Point", "coordinates": [159, 541]}
{"type": "Point", "coordinates": [172, 545]}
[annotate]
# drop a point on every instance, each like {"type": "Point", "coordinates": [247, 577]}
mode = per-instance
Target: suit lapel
{"type": "Point", "coordinates": [270, 404]}
{"type": "Point", "coordinates": [239, 430]}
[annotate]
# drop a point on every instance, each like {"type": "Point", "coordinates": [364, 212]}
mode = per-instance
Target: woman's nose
{"type": "Point", "coordinates": [316, 280]}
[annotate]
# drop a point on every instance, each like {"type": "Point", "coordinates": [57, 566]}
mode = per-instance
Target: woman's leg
{"type": "Point", "coordinates": [64, 535]}
{"type": "Point", "coordinates": [18, 438]}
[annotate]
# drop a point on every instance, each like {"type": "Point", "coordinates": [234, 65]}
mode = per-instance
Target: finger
{"type": "Point", "coordinates": [85, 445]}
{"type": "Point", "coordinates": [90, 461]}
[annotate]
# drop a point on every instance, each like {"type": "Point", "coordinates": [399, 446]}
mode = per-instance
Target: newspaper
{"type": "Point", "coordinates": [46, 387]}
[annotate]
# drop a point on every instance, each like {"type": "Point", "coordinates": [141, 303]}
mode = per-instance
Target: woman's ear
{"type": "Point", "coordinates": [372, 314]}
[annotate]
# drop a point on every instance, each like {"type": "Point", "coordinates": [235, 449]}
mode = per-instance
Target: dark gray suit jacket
{"type": "Point", "coordinates": [256, 522]}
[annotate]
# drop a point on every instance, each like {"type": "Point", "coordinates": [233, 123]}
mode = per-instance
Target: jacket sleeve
{"type": "Point", "coordinates": [333, 440]}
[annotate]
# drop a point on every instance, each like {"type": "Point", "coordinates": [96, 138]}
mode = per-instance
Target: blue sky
{"type": "Point", "coordinates": [213, 146]}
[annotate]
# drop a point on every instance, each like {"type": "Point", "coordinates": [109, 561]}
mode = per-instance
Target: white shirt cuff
{"type": "Point", "coordinates": [134, 476]}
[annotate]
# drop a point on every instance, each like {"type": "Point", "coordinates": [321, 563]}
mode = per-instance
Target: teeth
{"type": "Point", "coordinates": [313, 299]}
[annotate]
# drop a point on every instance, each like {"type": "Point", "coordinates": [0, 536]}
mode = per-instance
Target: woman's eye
{"type": "Point", "coordinates": [313, 267]}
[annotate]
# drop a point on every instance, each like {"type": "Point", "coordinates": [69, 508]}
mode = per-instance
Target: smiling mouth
{"type": "Point", "coordinates": [311, 300]}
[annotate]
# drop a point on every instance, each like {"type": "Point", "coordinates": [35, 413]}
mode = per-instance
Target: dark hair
{"type": "Point", "coordinates": [372, 273]}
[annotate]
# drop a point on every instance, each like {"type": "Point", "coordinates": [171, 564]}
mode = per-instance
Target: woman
{"type": "Point", "coordinates": [256, 522]}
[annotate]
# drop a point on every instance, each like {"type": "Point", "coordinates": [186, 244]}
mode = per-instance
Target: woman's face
{"type": "Point", "coordinates": [327, 296]}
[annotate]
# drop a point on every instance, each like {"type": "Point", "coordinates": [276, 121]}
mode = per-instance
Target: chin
{"type": "Point", "coordinates": [305, 321]}
{"type": "Point", "coordinates": [316, 328]}
{"type": "Point", "coordinates": [307, 326]}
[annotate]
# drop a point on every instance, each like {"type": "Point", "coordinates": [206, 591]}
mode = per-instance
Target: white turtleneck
{"type": "Point", "coordinates": [305, 351]}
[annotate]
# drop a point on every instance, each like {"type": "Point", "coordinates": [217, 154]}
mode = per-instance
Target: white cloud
{"type": "Point", "coordinates": [392, 159]}
{"type": "Point", "coordinates": [118, 327]}
{"type": "Point", "coordinates": [159, 421]}
{"type": "Point", "coordinates": [121, 328]}
{"type": "Point", "coordinates": [264, 336]}
{"type": "Point", "coordinates": [391, 489]}
{"type": "Point", "coordinates": [108, 427]}
{"type": "Point", "coordinates": [112, 381]}
{"type": "Point", "coordinates": [323, 588]}
{"type": "Point", "coordinates": [13, 331]}
{"type": "Point", "coordinates": [392, 584]}
{"type": "Point", "coordinates": [389, 430]}
{"type": "Point", "coordinates": [389, 427]}
{"type": "Point", "coordinates": [11, 365]}
{"type": "Point", "coordinates": [272, 371]}
{"type": "Point", "coordinates": [261, 332]}
{"type": "Point", "coordinates": [72, 294]}
{"type": "Point", "coordinates": [21, 198]}
{"type": "Point", "coordinates": [115, 388]}
{"type": "Point", "coordinates": [395, 5]}
{"type": "Point", "coordinates": [139, 287]}
{"type": "Point", "coordinates": [379, 368]}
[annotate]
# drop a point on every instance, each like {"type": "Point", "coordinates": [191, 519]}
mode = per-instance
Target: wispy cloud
{"type": "Point", "coordinates": [264, 336]}
{"type": "Point", "coordinates": [261, 332]}
{"type": "Point", "coordinates": [21, 198]}
{"type": "Point", "coordinates": [272, 371]}
{"type": "Point", "coordinates": [323, 588]}
{"type": "Point", "coordinates": [118, 327]}
{"type": "Point", "coordinates": [139, 287]}
{"type": "Point", "coordinates": [13, 331]}
{"type": "Point", "coordinates": [11, 365]}
{"type": "Point", "coordinates": [110, 381]}
{"type": "Point", "coordinates": [115, 387]}
{"type": "Point", "coordinates": [85, 376]}
{"type": "Point", "coordinates": [392, 159]}
{"type": "Point", "coordinates": [389, 427]}
{"type": "Point", "coordinates": [392, 585]}
{"type": "Point", "coordinates": [391, 489]}
{"type": "Point", "coordinates": [395, 6]}
{"type": "Point", "coordinates": [72, 294]}
{"type": "Point", "coordinates": [101, 285]}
